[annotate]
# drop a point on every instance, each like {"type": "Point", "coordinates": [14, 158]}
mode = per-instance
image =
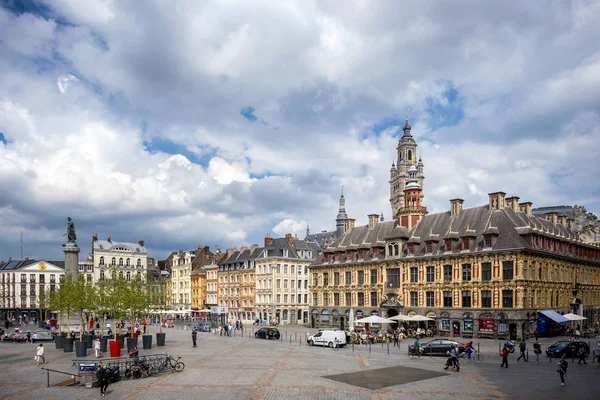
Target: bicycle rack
{"type": "Point", "coordinates": [123, 363]}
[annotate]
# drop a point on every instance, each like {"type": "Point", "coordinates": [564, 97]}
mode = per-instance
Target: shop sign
{"type": "Point", "coordinates": [430, 314]}
{"type": "Point", "coordinates": [486, 325]}
{"type": "Point", "coordinates": [412, 313]}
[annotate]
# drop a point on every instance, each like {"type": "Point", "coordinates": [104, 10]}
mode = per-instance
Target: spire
{"type": "Point", "coordinates": [406, 128]}
{"type": "Point", "coordinates": [381, 217]}
{"type": "Point", "coordinates": [307, 230]}
{"type": "Point", "coordinates": [342, 216]}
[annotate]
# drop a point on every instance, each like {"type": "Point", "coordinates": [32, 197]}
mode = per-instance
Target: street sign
{"type": "Point", "coordinates": [219, 310]}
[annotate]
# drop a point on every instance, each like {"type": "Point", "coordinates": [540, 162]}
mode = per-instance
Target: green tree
{"type": "Point", "coordinates": [84, 298]}
{"type": "Point", "coordinates": [136, 298]}
{"type": "Point", "coordinates": [115, 289]}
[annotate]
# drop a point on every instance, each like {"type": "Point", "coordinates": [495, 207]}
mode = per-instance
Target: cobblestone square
{"type": "Point", "coordinates": [242, 367]}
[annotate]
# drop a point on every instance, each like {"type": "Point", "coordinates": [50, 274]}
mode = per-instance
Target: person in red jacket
{"type": "Point", "coordinates": [504, 356]}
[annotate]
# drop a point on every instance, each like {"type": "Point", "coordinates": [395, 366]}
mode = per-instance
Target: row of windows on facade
{"type": "Point", "coordinates": [268, 284]}
{"type": "Point", "coordinates": [236, 292]}
{"type": "Point", "coordinates": [127, 275]}
{"type": "Point", "coordinates": [32, 278]}
{"type": "Point", "coordinates": [6, 289]}
{"type": "Point", "coordinates": [126, 263]}
{"type": "Point", "coordinates": [393, 275]}
{"type": "Point", "coordinates": [278, 268]}
{"type": "Point", "coordinates": [266, 299]}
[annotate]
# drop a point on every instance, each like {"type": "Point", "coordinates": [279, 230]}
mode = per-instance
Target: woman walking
{"type": "Point", "coordinates": [504, 356]}
{"type": "Point", "coordinates": [562, 369]}
{"type": "Point", "coordinates": [39, 355]}
{"type": "Point", "coordinates": [103, 379]}
{"type": "Point", "coordinates": [97, 348]}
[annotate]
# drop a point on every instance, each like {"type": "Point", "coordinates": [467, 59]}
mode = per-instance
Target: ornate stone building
{"type": "Point", "coordinates": [494, 270]}
{"type": "Point", "coordinates": [236, 284]}
{"type": "Point", "coordinates": [128, 258]}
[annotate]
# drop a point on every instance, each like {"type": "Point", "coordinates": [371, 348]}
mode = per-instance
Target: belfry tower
{"type": "Point", "coordinates": [411, 213]}
{"type": "Point", "coordinates": [399, 173]}
{"type": "Point", "coordinates": [342, 216]}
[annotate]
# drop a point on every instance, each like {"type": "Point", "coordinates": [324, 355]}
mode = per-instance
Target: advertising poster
{"type": "Point", "coordinates": [486, 325]}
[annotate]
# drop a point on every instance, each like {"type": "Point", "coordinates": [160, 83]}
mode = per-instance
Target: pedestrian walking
{"type": "Point", "coordinates": [194, 336]}
{"type": "Point", "coordinates": [537, 349]}
{"type": "Point", "coordinates": [396, 339]}
{"type": "Point", "coordinates": [504, 356]}
{"type": "Point", "coordinates": [417, 348]}
{"type": "Point", "coordinates": [97, 348]}
{"type": "Point", "coordinates": [536, 335]}
{"type": "Point", "coordinates": [582, 354]}
{"type": "Point", "coordinates": [523, 349]}
{"type": "Point", "coordinates": [562, 369]}
{"type": "Point", "coordinates": [39, 355]}
{"type": "Point", "coordinates": [103, 379]}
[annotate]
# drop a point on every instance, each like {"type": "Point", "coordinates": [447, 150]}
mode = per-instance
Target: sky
{"type": "Point", "coordinates": [214, 123]}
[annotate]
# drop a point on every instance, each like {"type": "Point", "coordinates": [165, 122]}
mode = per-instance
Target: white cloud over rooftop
{"type": "Point", "coordinates": [128, 118]}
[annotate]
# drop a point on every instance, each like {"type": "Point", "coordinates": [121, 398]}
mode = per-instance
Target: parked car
{"type": "Point", "coordinates": [267, 333]}
{"type": "Point", "coordinates": [438, 347]}
{"type": "Point", "coordinates": [566, 348]}
{"type": "Point", "coordinates": [203, 328]}
{"type": "Point", "coordinates": [328, 338]}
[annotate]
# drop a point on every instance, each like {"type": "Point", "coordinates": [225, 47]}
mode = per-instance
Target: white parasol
{"type": "Point", "coordinates": [574, 317]}
{"type": "Point", "coordinates": [374, 319]}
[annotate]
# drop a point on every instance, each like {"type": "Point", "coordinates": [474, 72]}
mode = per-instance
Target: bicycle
{"type": "Point", "coordinates": [475, 355]}
{"type": "Point", "coordinates": [174, 364]}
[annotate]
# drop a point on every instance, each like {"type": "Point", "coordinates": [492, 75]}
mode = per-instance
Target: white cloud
{"type": "Point", "coordinates": [81, 101]}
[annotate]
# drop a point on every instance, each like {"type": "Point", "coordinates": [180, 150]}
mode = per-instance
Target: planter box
{"type": "Point", "coordinates": [160, 339]}
{"type": "Point", "coordinates": [147, 341]}
{"type": "Point", "coordinates": [89, 340]}
{"type": "Point", "coordinates": [121, 338]}
{"type": "Point", "coordinates": [81, 349]}
{"type": "Point", "coordinates": [58, 341]}
{"type": "Point", "coordinates": [131, 343]}
{"type": "Point", "coordinates": [115, 348]}
{"type": "Point", "coordinates": [103, 344]}
{"type": "Point", "coordinates": [68, 345]}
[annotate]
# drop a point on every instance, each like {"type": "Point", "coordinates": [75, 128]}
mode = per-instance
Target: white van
{"type": "Point", "coordinates": [328, 338]}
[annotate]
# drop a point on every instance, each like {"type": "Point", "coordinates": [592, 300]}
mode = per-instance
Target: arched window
{"type": "Point", "coordinates": [113, 262]}
{"type": "Point", "coordinates": [139, 275]}
{"type": "Point", "coordinates": [101, 275]}
{"type": "Point", "coordinates": [409, 155]}
{"type": "Point", "coordinates": [121, 274]}
{"type": "Point", "coordinates": [128, 276]}
{"type": "Point", "coordinates": [139, 263]}
{"type": "Point", "coordinates": [114, 274]}
{"type": "Point", "coordinates": [120, 262]}
{"type": "Point", "coordinates": [101, 260]}
{"type": "Point", "coordinates": [396, 249]}
{"type": "Point", "coordinates": [128, 262]}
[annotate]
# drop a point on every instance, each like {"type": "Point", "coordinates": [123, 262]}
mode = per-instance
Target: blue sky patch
{"type": "Point", "coordinates": [448, 111]}
{"type": "Point", "coordinates": [3, 139]}
{"type": "Point", "coordinates": [163, 145]}
{"type": "Point", "coordinates": [248, 113]}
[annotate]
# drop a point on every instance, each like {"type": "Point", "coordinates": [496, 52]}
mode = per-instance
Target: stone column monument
{"type": "Point", "coordinates": [71, 251]}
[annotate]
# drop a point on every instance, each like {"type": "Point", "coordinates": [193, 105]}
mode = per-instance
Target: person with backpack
{"type": "Point", "coordinates": [523, 349]}
{"type": "Point", "coordinates": [562, 369]}
{"type": "Point", "coordinates": [504, 356]}
{"type": "Point", "coordinates": [537, 349]}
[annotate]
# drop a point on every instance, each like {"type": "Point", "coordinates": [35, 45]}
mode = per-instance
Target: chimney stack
{"type": "Point", "coordinates": [244, 248]}
{"type": "Point", "coordinates": [253, 247]}
{"type": "Point", "coordinates": [513, 202]}
{"type": "Point", "coordinates": [373, 220]}
{"type": "Point", "coordinates": [526, 208]}
{"type": "Point", "coordinates": [141, 243]}
{"type": "Point", "coordinates": [95, 238]}
{"type": "Point", "coordinates": [552, 217]}
{"type": "Point", "coordinates": [456, 206]}
{"type": "Point", "coordinates": [349, 224]}
{"type": "Point", "coordinates": [229, 252]}
{"type": "Point", "coordinates": [497, 200]}
{"type": "Point", "coordinates": [562, 220]}
{"type": "Point", "coordinates": [570, 223]}
{"type": "Point", "coordinates": [290, 238]}
{"type": "Point", "coordinates": [268, 240]}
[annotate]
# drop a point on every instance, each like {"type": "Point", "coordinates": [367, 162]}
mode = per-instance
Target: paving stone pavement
{"type": "Point", "coordinates": [242, 367]}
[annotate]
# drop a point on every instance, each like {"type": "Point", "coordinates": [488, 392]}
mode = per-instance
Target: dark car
{"type": "Point", "coordinates": [438, 347]}
{"type": "Point", "coordinates": [267, 333]}
{"type": "Point", "coordinates": [566, 348]}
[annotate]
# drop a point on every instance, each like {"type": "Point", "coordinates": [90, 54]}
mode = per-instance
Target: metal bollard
{"type": "Point", "coordinates": [369, 346]}
{"type": "Point", "coordinates": [353, 346]}
{"type": "Point", "coordinates": [430, 351]}
{"type": "Point", "coordinates": [388, 348]}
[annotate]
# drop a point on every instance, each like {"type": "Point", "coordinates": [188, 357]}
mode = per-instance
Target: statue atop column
{"type": "Point", "coordinates": [71, 231]}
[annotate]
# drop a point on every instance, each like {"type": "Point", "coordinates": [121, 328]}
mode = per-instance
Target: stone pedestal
{"type": "Point", "coordinates": [71, 259]}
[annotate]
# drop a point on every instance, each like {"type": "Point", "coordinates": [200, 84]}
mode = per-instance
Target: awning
{"type": "Point", "coordinates": [554, 316]}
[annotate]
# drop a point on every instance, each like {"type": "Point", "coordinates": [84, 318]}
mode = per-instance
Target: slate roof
{"type": "Point", "coordinates": [323, 239]}
{"type": "Point", "coordinates": [18, 264]}
{"type": "Point", "coordinates": [106, 245]}
{"type": "Point", "coordinates": [510, 228]}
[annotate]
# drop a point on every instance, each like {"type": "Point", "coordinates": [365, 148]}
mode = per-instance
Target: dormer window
{"type": "Point", "coordinates": [429, 247]}
{"type": "Point", "coordinates": [466, 243]}
{"type": "Point", "coordinates": [448, 245]}
{"type": "Point", "coordinates": [487, 241]}
{"type": "Point", "coordinates": [285, 252]}
{"type": "Point", "coordinates": [410, 248]}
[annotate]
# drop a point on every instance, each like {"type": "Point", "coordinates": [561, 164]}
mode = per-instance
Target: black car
{"type": "Point", "coordinates": [566, 348]}
{"type": "Point", "coordinates": [438, 347]}
{"type": "Point", "coordinates": [267, 333]}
